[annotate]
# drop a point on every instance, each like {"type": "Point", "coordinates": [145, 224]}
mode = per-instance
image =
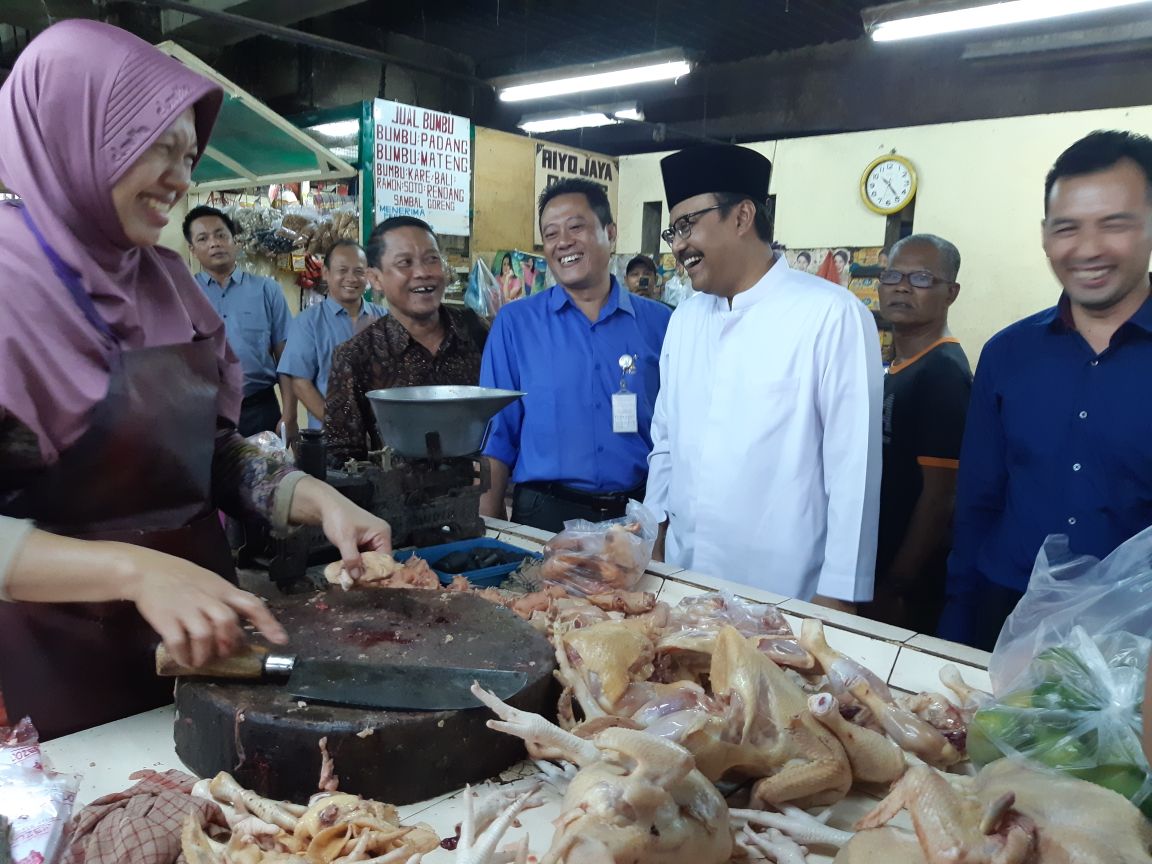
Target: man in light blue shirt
{"type": "Point", "coordinates": [256, 319]}
{"type": "Point", "coordinates": [316, 331]}
{"type": "Point", "coordinates": [567, 455]}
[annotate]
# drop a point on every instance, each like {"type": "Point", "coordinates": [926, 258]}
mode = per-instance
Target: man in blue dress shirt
{"type": "Point", "coordinates": [1058, 430]}
{"type": "Point", "coordinates": [316, 331]}
{"type": "Point", "coordinates": [565, 347]}
{"type": "Point", "coordinates": [256, 319]}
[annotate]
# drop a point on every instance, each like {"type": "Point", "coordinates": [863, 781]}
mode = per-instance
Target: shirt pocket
{"type": "Point", "coordinates": [256, 329]}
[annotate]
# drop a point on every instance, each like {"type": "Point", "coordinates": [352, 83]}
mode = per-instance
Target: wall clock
{"type": "Point", "coordinates": [888, 184]}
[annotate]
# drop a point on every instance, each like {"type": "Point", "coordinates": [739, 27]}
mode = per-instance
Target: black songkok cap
{"type": "Point", "coordinates": [715, 168]}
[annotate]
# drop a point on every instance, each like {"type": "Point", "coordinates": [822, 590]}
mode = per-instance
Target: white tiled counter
{"type": "Point", "coordinates": [107, 755]}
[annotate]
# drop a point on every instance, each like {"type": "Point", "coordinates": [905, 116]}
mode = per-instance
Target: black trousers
{"type": "Point", "coordinates": [995, 605]}
{"type": "Point", "coordinates": [259, 412]}
{"type": "Point", "coordinates": [548, 506]}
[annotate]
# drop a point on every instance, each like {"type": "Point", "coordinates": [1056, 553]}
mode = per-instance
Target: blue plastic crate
{"type": "Point", "coordinates": [486, 577]}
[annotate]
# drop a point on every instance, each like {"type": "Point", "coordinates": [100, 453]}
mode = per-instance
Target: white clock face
{"type": "Point", "coordinates": [889, 185]}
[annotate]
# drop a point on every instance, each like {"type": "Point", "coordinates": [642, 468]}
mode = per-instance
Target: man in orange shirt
{"type": "Point", "coordinates": [926, 395]}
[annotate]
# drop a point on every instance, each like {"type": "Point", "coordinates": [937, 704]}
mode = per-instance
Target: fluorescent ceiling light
{"type": "Point", "coordinates": [569, 121]}
{"type": "Point", "coordinates": [337, 129]}
{"type": "Point", "coordinates": [597, 81]}
{"type": "Point", "coordinates": [989, 15]}
{"type": "Point", "coordinates": [600, 115]}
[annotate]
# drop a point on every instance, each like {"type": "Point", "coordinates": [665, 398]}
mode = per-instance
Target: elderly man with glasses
{"type": "Point", "coordinates": [926, 396]}
{"type": "Point", "coordinates": [766, 439]}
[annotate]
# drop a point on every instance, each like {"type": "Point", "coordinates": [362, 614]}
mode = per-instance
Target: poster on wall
{"type": "Point", "coordinates": [854, 267]}
{"type": "Point", "coordinates": [519, 274]}
{"type": "Point", "coordinates": [857, 268]}
{"type": "Point", "coordinates": [554, 163]}
{"type": "Point", "coordinates": [422, 166]}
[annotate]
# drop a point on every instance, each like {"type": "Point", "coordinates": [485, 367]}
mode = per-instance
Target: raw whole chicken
{"type": "Point", "coordinates": [635, 797]}
{"type": "Point", "coordinates": [852, 683]}
{"type": "Point", "coordinates": [1009, 813]}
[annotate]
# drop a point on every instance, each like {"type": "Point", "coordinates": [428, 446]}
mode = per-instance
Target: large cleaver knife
{"type": "Point", "coordinates": [357, 685]}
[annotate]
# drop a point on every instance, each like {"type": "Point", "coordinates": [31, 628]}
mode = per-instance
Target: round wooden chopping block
{"type": "Point", "coordinates": [269, 742]}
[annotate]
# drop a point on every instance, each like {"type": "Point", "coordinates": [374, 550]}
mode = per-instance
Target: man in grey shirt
{"type": "Point", "coordinates": [256, 318]}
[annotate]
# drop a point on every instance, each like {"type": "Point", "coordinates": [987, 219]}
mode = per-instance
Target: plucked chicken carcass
{"type": "Point", "coordinates": [1010, 813]}
{"type": "Point", "coordinates": [635, 797]}
{"type": "Point", "coordinates": [854, 685]}
{"type": "Point", "coordinates": [766, 731]}
{"type": "Point", "coordinates": [685, 646]}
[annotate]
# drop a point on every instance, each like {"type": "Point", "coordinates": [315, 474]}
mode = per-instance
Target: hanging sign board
{"type": "Point", "coordinates": [554, 163]}
{"type": "Point", "coordinates": [422, 166]}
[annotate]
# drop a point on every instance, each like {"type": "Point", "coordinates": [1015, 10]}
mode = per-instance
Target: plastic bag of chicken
{"type": "Point", "coordinates": [594, 557]}
{"type": "Point", "coordinates": [1075, 709]}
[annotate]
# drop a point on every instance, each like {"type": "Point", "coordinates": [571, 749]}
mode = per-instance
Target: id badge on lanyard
{"type": "Point", "coordinates": [624, 402]}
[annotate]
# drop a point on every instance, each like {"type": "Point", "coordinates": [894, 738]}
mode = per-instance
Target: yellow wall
{"type": "Point", "coordinates": [502, 205]}
{"type": "Point", "coordinates": [981, 186]}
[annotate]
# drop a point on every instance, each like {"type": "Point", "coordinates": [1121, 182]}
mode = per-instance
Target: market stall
{"type": "Point", "coordinates": [289, 195]}
{"type": "Point", "coordinates": [905, 661]}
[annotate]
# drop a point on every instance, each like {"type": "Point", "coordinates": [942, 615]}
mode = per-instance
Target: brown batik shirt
{"type": "Point", "coordinates": [384, 355]}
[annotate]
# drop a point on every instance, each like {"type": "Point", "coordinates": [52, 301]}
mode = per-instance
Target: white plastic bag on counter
{"type": "Point", "coordinates": [593, 557]}
{"type": "Point", "coordinates": [37, 803]}
{"type": "Point", "coordinates": [1067, 590]}
{"type": "Point", "coordinates": [1075, 709]}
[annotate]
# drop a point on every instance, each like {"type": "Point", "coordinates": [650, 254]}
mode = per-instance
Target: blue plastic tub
{"type": "Point", "coordinates": [487, 577]}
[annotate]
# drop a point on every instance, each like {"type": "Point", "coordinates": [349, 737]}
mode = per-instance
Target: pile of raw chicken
{"type": "Point", "coordinates": [704, 734]}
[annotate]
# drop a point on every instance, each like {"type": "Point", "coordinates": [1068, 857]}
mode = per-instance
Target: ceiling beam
{"type": "Point", "coordinates": [322, 43]}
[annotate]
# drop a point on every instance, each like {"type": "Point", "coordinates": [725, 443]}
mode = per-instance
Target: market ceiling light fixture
{"type": "Point", "coordinates": [638, 69]}
{"type": "Point", "coordinates": [901, 20]}
{"type": "Point", "coordinates": [556, 122]}
{"type": "Point", "coordinates": [337, 128]}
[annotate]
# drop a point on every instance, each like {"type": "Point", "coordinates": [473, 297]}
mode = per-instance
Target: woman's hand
{"type": "Point", "coordinates": [349, 528]}
{"type": "Point", "coordinates": [195, 612]}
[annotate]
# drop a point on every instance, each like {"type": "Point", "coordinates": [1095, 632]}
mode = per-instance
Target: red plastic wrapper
{"type": "Point", "coordinates": [36, 802]}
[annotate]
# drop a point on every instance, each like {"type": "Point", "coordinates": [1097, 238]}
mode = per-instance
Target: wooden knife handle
{"type": "Point", "coordinates": [248, 663]}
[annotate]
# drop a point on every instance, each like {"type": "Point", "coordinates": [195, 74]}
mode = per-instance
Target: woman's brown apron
{"type": "Point", "coordinates": [140, 474]}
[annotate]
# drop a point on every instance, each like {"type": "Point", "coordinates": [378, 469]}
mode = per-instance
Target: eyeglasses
{"type": "Point", "coordinates": [917, 278]}
{"type": "Point", "coordinates": [682, 227]}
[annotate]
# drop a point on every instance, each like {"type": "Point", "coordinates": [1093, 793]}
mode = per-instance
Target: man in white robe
{"type": "Point", "coordinates": [766, 436]}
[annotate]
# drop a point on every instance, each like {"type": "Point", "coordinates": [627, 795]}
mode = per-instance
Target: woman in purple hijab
{"type": "Point", "coordinates": [119, 394]}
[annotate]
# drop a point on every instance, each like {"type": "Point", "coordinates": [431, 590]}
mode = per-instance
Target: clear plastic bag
{"type": "Point", "coordinates": [1076, 709]}
{"type": "Point", "coordinates": [706, 614]}
{"type": "Point", "coordinates": [36, 802]}
{"type": "Point", "coordinates": [483, 295]}
{"type": "Point", "coordinates": [1068, 590]}
{"type": "Point", "coordinates": [272, 446]}
{"type": "Point", "coordinates": [593, 557]}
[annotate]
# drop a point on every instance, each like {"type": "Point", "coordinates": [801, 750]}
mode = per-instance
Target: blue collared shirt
{"type": "Point", "coordinates": [1058, 441]}
{"type": "Point", "coordinates": [313, 336]}
{"type": "Point", "coordinates": [569, 367]}
{"type": "Point", "coordinates": [256, 319]}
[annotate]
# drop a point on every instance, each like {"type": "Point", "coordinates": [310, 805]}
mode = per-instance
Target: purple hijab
{"type": "Point", "coordinates": [83, 102]}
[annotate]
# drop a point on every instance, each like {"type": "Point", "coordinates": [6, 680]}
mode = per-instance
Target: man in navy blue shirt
{"type": "Point", "coordinates": [1058, 430]}
{"type": "Point", "coordinates": [568, 348]}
